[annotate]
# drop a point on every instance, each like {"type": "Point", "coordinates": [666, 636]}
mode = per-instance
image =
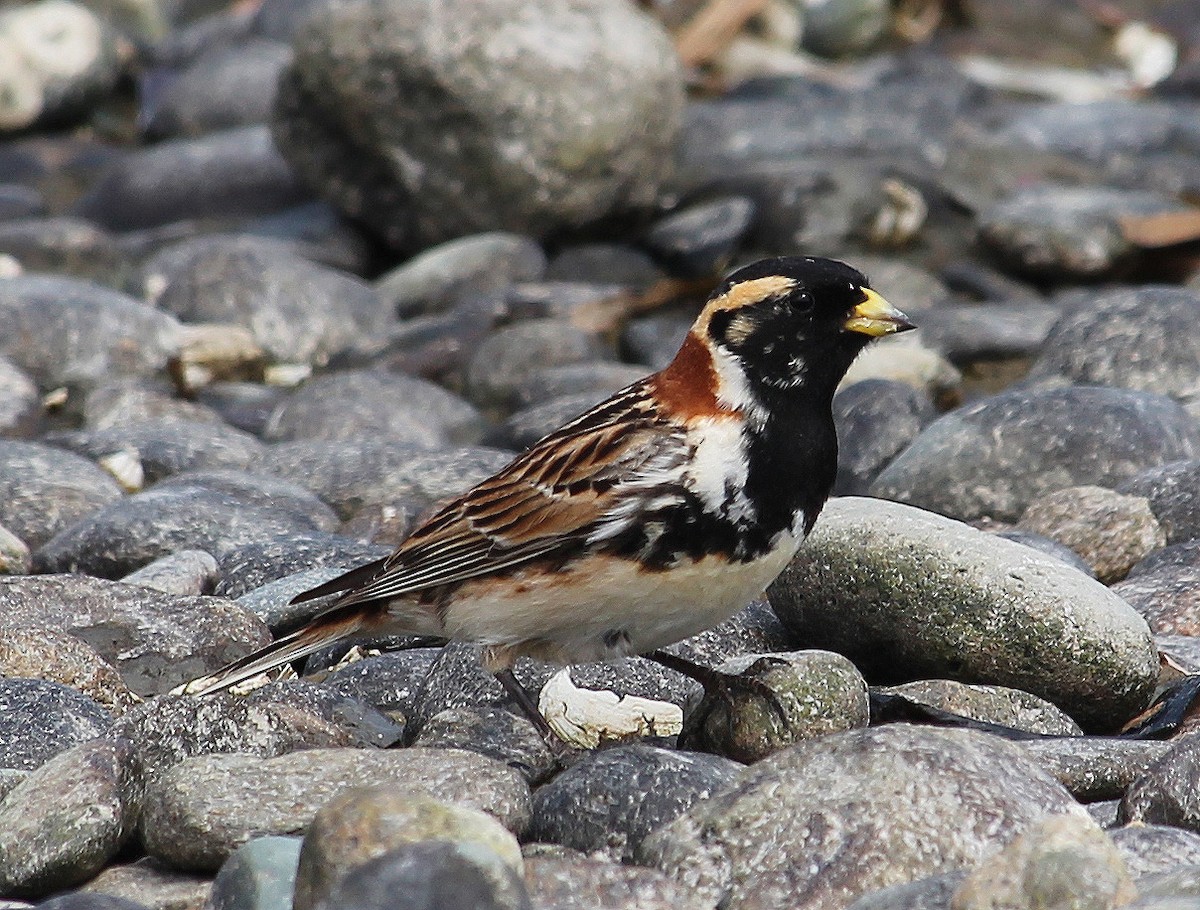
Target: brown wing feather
{"type": "Point", "coordinates": [554, 495]}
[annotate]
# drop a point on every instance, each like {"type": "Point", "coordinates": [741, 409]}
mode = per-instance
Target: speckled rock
{"type": "Point", "coordinates": [826, 821]}
{"type": "Point", "coordinates": [1167, 595]}
{"type": "Point", "coordinates": [202, 809]}
{"type": "Point", "coordinates": [155, 641]}
{"type": "Point", "coordinates": [493, 732]}
{"type": "Point", "coordinates": [701, 239]}
{"type": "Point", "coordinates": [57, 656]}
{"type": "Point", "coordinates": [1094, 768]}
{"type": "Point", "coordinates": [1174, 494]}
{"type": "Point", "coordinates": [39, 719]}
{"type": "Point", "coordinates": [609, 801]}
{"type": "Point", "coordinates": [64, 332]}
{"type": "Point", "coordinates": [817, 693]}
{"type": "Point", "coordinates": [391, 682]}
{"type": "Point", "coordinates": [152, 884]}
{"type": "Point", "coordinates": [1068, 856]}
{"type": "Point", "coordinates": [982, 610]}
{"type": "Point", "coordinates": [260, 490]}
{"type": "Point", "coordinates": [361, 824]}
{"type": "Point", "coordinates": [1148, 849]}
{"type": "Point", "coordinates": [993, 457]}
{"type": "Point", "coordinates": [139, 399]}
{"type": "Point", "coordinates": [1111, 531]}
{"type": "Point", "coordinates": [443, 148]}
{"type": "Point", "coordinates": [61, 824]}
{"type": "Point", "coordinates": [1165, 794]}
{"type": "Point", "coordinates": [993, 704]}
{"type": "Point", "coordinates": [252, 565]}
{"type": "Point", "coordinates": [569, 881]}
{"type": "Point", "coordinates": [373, 403]}
{"type": "Point", "coordinates": [43, 489]}
{"type": "Point", "coordinates": [185, 572]}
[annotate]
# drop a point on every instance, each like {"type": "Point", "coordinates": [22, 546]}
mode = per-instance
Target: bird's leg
{"type": "Point", "coordinates": [721, 684]}
{"type": "Point", "coordinates": [520, 694]}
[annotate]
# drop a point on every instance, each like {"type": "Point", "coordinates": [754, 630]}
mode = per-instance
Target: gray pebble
{"type": "Point", "coordinates": [250, 566]}
{"type": "Point", "coordinates": [701, 239]}
{"type": "Point", "coordinates": [566, 880]}
{"type": "Point", "coordinates": [184, 572]}
{"type": "Point", "coordinates": [259, 875]}
{"type": "Point", "coordinates": [499, 735]}
{"type": "Point", "coordinates": [993, 704]}
{"type": "Point", "coordinates": [876, 419]}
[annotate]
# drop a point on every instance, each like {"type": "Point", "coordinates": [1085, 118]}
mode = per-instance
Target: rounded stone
{"type": "Point", "coordinates": [993, 704]}
{"type": "Point", "coordinates": [40, 719]}
{"type": "Point", "coordinates": [1166, 793]}
{"type": "Point", "coordinates": [260, 875]}
{"type": "Point", "coordinates": [907, 593]}
{"type": "Point", "coordinates": [1174, 494]}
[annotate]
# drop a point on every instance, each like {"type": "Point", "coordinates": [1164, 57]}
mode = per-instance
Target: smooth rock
{"type": "Point", "coordinates": [40, 719]}
{"type": "Point", "coordinates": [155, 641]}
{"type": "Point", "coordinates": [15, 558]}
{"type": "Point", "coordinates": [260, 875]}
{"type": "Point", "coordinates": [989, 331]}
{"type": "Point", "coordinates": [525, 427]}
{"type": "Point", "coordinates": [1148, 849]}
{"type": "Point", "coordinates": [613, 264]}
{"type": "Point", "coordinates": [1166, 794]}
{"type": "Point", "coordinates": [979, 608]}
{"type": "Point", "coordinates": [510, 355]}
{"type": "Point", "coordinates": [1174, 494]}
{"type": "Point", "coordinates": [828, 820]}
{"type": "Point", "coordinates": [20, 404]}
{"type": "Point", "coordinates": [152, 884]}
{"type": "Point", "coordinates": [609, 801]}
{"type": "Point", "coordinates": [1168, 596]}
{"type": "Point", "coordinates": [574, 882]}
{"type": "Point", "coordinates": [365, 823]}
{"type": "Point", "coordinates": [68, 818]}
{"type": "Point", "coordinates": [65, 246]}
{"type": "Point", "coordinates": [44, 489]}
{"type": "Point", "coordinates": [141, 399]}
{"type": "Point", "coordinates": [701, 239]}
{"type": "Point", "coordinates": [443, 148]}
{"type": "Point", "coordinates": [492, 732]}
{"type": "Point", "coordinates": [1111, 531]}
{"type": "Point", "coordinates": [993, 457]}
{"type": "Point", "coordinates": [391, 682]}
{"type": "Point", "coordinates": [1093, 768]}
{"type": "Point", "coordinates": [1049, 547]}
{"type": "Point", "coordinates": [252, 565]}
{"type": "Point", "coordinates": [599, 378]}
{"type": "Point", "coordinates": [876, 419]}
{"type": "Point", "coordinates": [201, 810]}
{"type": "Point", "coordinates": [59, 657]}
{"type": "Point", "coordinates": [374, 403]}
{"type": "Point", "coordinates": [261, 490]}
{"type": "Point", "coordinates": [992, 704]}
{"type": "Point", "coordinates": [185, 572]}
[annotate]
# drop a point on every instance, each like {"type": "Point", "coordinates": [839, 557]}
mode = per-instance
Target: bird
{"type": "Point", "coordinates": [651, 517]}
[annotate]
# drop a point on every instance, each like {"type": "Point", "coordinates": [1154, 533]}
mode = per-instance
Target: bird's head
{"type": "Point", "coordinates": [789, 323]}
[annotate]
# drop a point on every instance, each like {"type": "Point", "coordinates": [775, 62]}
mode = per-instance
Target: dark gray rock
{"type": "Point", "coordinates": [141, 399]}
{"type": "Point", "coordinates": [349, 474]}
{"type": "Point", "coordinates": [127, 534]}
{"type": "Point", "coordinates": [40, 719]}
{"type": "Point", "coordinates": [155, 641]}
{"type": "Point", "coordinates": [1066, 233]}
{"type": "Point", "coordinates": [1127, 338]}
{"type": "Point", "coordinates": [59, 657]}
{"type": "Point", "coordinates": [430, 875]}
{"type": "Point", "coordinates": [260, 490]}
{"type": "Point", "coordinates": [566, 880]}
{"type": "Point", "coordinates": [653, 340]}
{"type": "Point", "coordinates": [185, 572]}
{"type": "Point", "coordinates": [18, 202]}
{"type": "Point", "coordinates": [63, 245]}
{"type": "Point", "coordinates": [1147, 849]}
{"type": "Point", "coordinates": [754, 630]}
{"type": "Point", "coordinates": [86, 900]}
{"type": "Point", "coordinates": [298, 311]}
{"type": "Point", "coordinates": [1166, 794]}
{"type": "Point", "coordinates": [599, 378]}
{"type": "Point", "coordinates": [878, 807]}
{"type": "Point", "coordinates": [1168, 596]}
{"type": "Point", "coordinates": [245, 405]}
{"type": "Point", "coordinates": [481, 263]}
{"type": "Point", "coordinates": [993, 457]}
{"type": "Point", "coordinates": [225, 86]}
{"type": "Point", "coordinates": [44, 489]}
{"type": "Point", "coordinates": [605, 263]}
{"type": "Point", "coordinates": [164, 447]}
{"type": "Point", "coordinates": [1095, 131]}
{"type": "Point", "coordinates": [317, 231]}
{"type": "Point", "coordinates": [61, 58]}
{"type": "Point", "coordinates": [375, 403]}
{"type": "Point", "coordinates": [933, 893]}
{"type": "Point", "coordinates": [391, 682]}
{"type": "Point", "coordinates": [988, 331]}
{"type": "Point", "coordinates": [271, 602]}
{"type": "Point", "coordinates": [702, 238]}
{"type": "Point", "coordinates": [906, 593]}
{"type": "Point", "coordinates": [252, 565]}
{"type": "Point", "coordinates": [609, 801]}
{"type": "Point", "coordinates": [259, 875]}
{"type": "Point", "coordinates": [510, 355]}
{"type": "Point", "coordinates": [1104, 813]}
{"type": "Point", "coordinates": [201, 810]}
{"type": "Point", "coordinates": [583, 303]}
{"type": "Point", "coordinates": [64, 332]}
{"type": "Point", "coordinates": [228, 173]}
{"type": "Point", "coordinates": [435, 144]}
{"type": "Point", "coordinates": [525, 427]}
{"type": "Point", "coordinates": [20, 404]}
{"type": "Point", "coordinates": [147, 881]}
{"type": "Point", "coordinates": [876, 419]}
{"type": "Point", "coordinates": [357, 826]}
{"type": "Point", "coordinates": [1182, 649]}
{"type": "Point", "coordinates": [1174, 494]}
{"type": "Point", "coordinates": [499, 735]}
{"type": "Point", "coordinates": [66, 820]}
{"type": "Point", "coordinates": [992, 704]}
{"type": "Point", "coordinates": [1092, 768]}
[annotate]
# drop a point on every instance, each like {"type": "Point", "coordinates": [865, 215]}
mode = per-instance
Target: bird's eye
{"type": "Point", "coordinates": [802, 301]}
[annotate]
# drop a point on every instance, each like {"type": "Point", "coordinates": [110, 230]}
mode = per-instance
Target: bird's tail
{"type": "Point", "coordinates": [327, 628]}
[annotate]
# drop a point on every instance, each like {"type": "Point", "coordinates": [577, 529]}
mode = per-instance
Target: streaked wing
{"type": "Point", "coordinates": [584, 481]}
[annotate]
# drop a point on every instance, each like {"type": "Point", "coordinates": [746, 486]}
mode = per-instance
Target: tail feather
{"type": "Point", "coordinates": [324, 630]}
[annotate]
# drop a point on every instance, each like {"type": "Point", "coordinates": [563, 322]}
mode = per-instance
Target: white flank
{"type": "Point", "coordinates": [717, 473]}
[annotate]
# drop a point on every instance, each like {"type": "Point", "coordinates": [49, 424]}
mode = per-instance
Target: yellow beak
{"type": "Point", "coordinates": [876, 317]}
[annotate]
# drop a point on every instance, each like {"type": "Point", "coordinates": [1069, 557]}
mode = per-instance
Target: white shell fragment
{"type": "Point", "coordinates": [586, 717]}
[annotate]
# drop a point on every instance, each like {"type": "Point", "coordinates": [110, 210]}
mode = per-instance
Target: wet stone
{"type": "Point", "coordinates": [224, 174]}
{"type": "Point", "coordinates": [1174, 494]}
{"type": "Point", "coordinates": [156, 641]}
{"type": "Point", "coordinates": [202, 809]}
{"type": "Point", "coordinates": [993, 457]}
{"type": "Point", "coordinates": [59, 657]}
{"type": "Point", "coordinates": [609, 801]}
{"type": "Point", "coordinates": [41, 719]}
{"type": "Point", "coordinates": [362, 824]}
{"type": "Point", "coordinates": [985, 610]}
{"type": "Point", "coordinates": [431, 281]}
{"type": "Point", "coordinates": [372, 403]}
{"type": "Point", "coordinates": [45, 490]}
{"type": "Point", "coordinates": [876, 419]}
{"type": "Point", "coordinates": [67, 819]}
{"type": "Point", "coordinates": [1111, 531]}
